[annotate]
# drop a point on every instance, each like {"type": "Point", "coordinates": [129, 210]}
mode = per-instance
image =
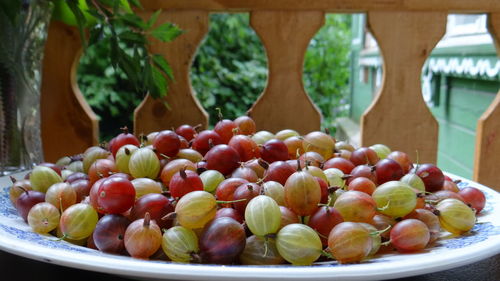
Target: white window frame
{"type": "Point", "coordinates": [453, 28]}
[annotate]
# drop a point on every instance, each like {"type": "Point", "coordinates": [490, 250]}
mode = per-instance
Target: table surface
{"type": "Point", "coordinates": [20, 268]}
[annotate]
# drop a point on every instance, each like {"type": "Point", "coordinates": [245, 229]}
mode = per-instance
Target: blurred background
{"type": "Point", "coordinates": [342, 74]}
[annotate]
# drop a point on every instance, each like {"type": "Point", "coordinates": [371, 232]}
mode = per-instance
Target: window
{"type": "Point", "coordinates": [465, 24]}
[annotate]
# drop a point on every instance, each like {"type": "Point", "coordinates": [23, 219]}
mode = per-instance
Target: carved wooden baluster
{"type": "Point", "coordinates": [399, 117]}
{"type": "Point", "coordinates": [488, 129]}
{"type": "Point", "coordinates": [284, 103]}
{"type": "Point", "coordinates": [69, 125]}
{"type": "Point", "coordinates": [183, 108]}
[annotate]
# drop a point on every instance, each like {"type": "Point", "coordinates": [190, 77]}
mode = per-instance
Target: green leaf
{"type": "Point", "coordinates": [133, 20]}
{"type": "Point", "coordinates": [162, 64]}
{"type": "Point", "coordinates": [166, 32]}
{"type": "Point", "coordinates": [102, 6]}
{"type": "Point", "coordinates": [138, 58]}
{"type": "Point", "coordinates": [159, 84]}
{"type": "Point", "coordinates": [109, 3]}
{"type": "Point", "coordinates": [96, 34]}
{"type": "Point", "coordinates": [80, 19]}
{"type": "Point", "coordinates": [152, 20]}
{"type": "Point", "coordinates": [132, 37]}
{"type": "Point", "coordinates": [126, 63]}
{"type": "Point", "coordinates": [114, 51]}
{"type": "Point", "coordinates": [136, 3]}
{"type": "Point", "coordinates": [96, 14]}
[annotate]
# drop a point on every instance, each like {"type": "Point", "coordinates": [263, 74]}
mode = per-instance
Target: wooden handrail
{"type": "Point", "coordinates": [350, 6]}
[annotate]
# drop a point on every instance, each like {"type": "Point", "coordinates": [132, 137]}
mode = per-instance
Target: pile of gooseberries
{"type": "Point", "coordinates": [234, 195]}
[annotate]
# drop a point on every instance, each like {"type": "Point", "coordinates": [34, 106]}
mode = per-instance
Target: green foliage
{"type": "Point", "coordinates": [326, 68]}
{"type": "Point", "coordinates": [229, 71]}
{"type": "Point", "coordinates": [107, 90]}
{"type": "Point", "coordinates": [117, 26]}
{"type": "Point", "coordinates": [230, 68]}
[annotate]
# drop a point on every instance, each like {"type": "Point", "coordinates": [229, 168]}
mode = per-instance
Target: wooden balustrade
{"type": "Point", "coordinates": [399, 116]}
{"type": "Point", "coordinates": [69, 125]}
{"type": "Point", "coordinates": [406, 30]}
{"type": "Point", "coordinates": [488, 128]}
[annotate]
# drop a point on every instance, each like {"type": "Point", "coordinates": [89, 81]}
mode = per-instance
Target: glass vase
{"type": "Point", "coordinates": [22, 39]}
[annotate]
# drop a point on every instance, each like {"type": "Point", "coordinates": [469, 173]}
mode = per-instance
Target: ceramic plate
{"type": "Point", "coordinates": [482, 242]}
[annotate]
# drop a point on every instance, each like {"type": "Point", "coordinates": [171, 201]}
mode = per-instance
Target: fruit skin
{"type": "Point", "coordinates": [364, 155]}
{"type": "Point", "coordinates": [246, 125]}
{"type": "Point", "coordinates": [43, 217]}
{"type": "Point", "coordinates": [78, 221]}
{"type": "Point", "coordinates": [320, 143]}
{"type": "Point", "coordinates": [122, 139]}
{"type": "Point", "coordinates": [108, 235]}
{"type": "Point", "coordinates": [324, 220]}
{"type": "Point", "coordinates": [410, 235]}
{"type": "Point", "coordinates": [455, 216]}
{"type": "Point", "coordinates": [27, 200]}
{"type": "Point", "coordinates": [263, 215]}
{"type": "Point", "coordinates": [42, 178]}
{"type": "Point", "coordinates": [167, 143]}
{"type": "Point", "coordinates": [349, 242]}
{"type": "Point", "coordinates": [391, 196]}
{"type": "Point", "coordinates": [186, 131]}
{"type": "Point", "coordinates": [173, 167]}
{"type": "Point", "coordinates": [356, 206]}
{"type": "Point", "coordinates": [115, 195]}
{"type": "Point", "coordinates": [278, 171]}
{"type": "Point", "coordinates": [302, 193]}
{"type": "Point", "coordinates": [299, 244]}
{"type": "Point", "coordinates": [225, 128]}
{"type": "Point", "coordinates": [101, 168]}
{"type": "Point", "coordinates": [17, 189]}
{"type": "Point", "coordinates": [260, 251]}
{"type": "Point", "coordinates": [246, 191]}
{"type": "Point", "coordinates": [196, 209]}
{"type": "Point", "coordinates": [340, 163]}
{"type": "Point", "coordinates": [474, 197]}
{"type": "Point", "coordinates": [245, 146]}
{"type": "Point", "coordinates": [388, 170]}
{"type": "Point", "coordinates": [431, 175]}
{"type": "Point", "coordinates": [142, 238]}
{"type": "Point", "coordinates": [157, 205]}
{"type": "Point", "coordinates": [179, 243]}
{"type": "Point", "coordinates": [381, 150]}
{"type": "Point", "coordinates": [274, 150]}
{"type": "Point", "coordinates": [229, 212]}
{"type": "Point", "coordinates": [222, 241]}
{"type": "Point", "coordinates": [202, 141]}
{"type": "Point", "coordinates": [222, 158]}
{"type": "Point", "coordinates": [144, 164]}
{"type": "Point", "coordinates": [184, 182]}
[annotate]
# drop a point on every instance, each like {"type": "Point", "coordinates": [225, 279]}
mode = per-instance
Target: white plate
{"type": "Point", "coordinates": [483, 242]}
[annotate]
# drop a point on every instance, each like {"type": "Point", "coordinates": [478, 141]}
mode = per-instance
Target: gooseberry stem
{"type": "Point", "coordinates": [231, 201]}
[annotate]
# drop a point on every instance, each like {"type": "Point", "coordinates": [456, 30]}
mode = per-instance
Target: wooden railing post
{"type": "Point", "coordinates": [284, 102]}
{"type": "Point", "coordinates": [183, 108]}
{"type": "Point", "coordinates": [69, 126]}
{"type": "Point", "coordinates": [399, 117]}
{"type": "Point", "coordinates": [488, 128]}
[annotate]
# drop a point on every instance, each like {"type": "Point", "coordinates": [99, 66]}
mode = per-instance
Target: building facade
{"type": "Point", "coordinates": [459, 81]}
